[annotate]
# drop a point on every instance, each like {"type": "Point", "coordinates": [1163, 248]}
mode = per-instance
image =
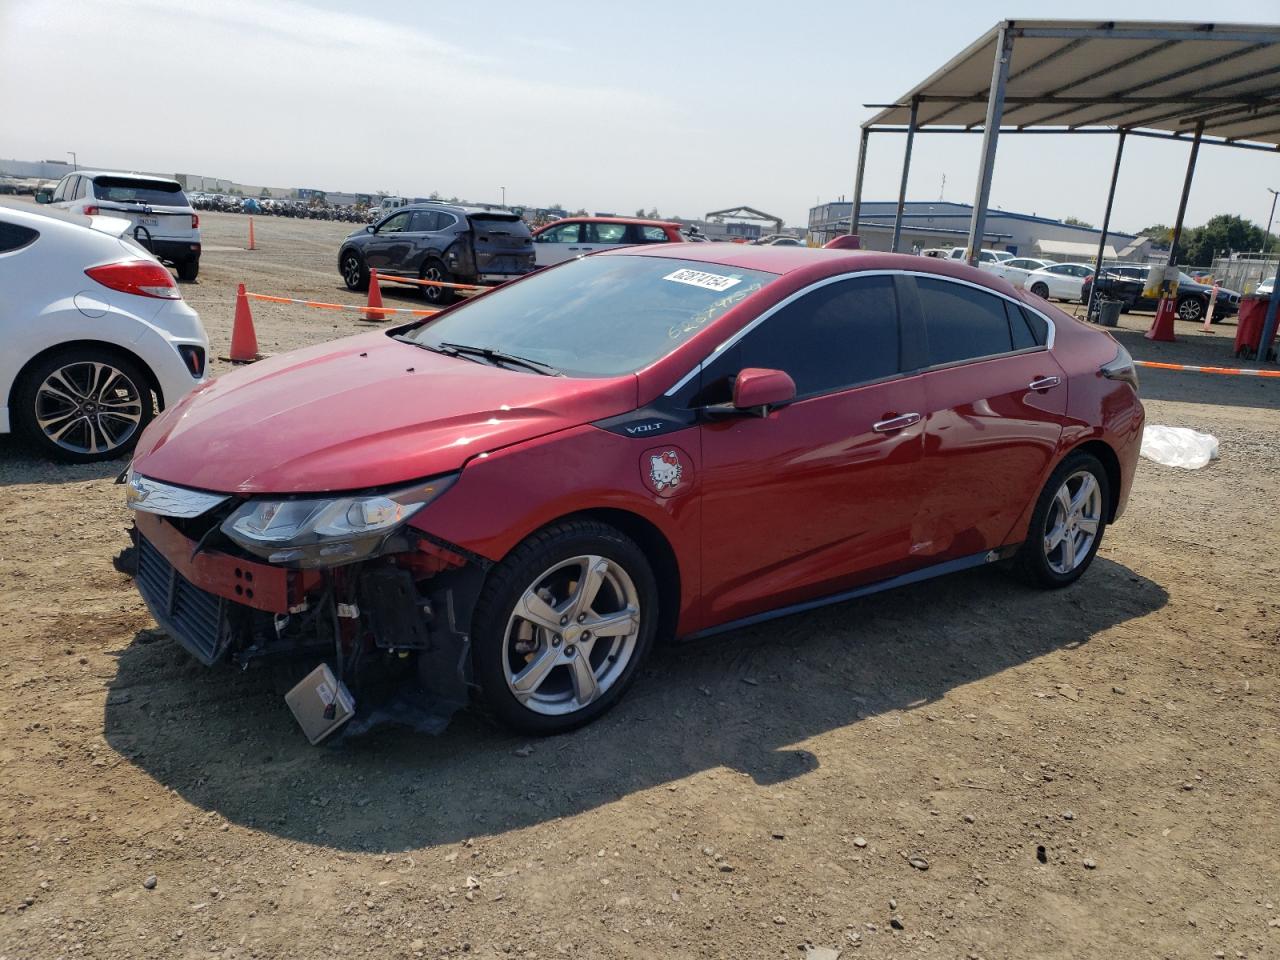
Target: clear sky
{"type": "Point", "coordinates": [684, 106]}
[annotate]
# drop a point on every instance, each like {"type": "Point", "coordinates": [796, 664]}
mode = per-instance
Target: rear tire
{"type": "Point", "coordinates": [437, 296]}
{"type": "Point", "coordinates": [538, 666]}
{"type": "Point", "coordinates": [188, 270]}
{"type": "Point", "coordinates": [83, 404]}
{"type": "Point", "coordinates": [1067, 525]}
{"type": "Point", "coordinates": [355, 272]}
{"type": "Point", "coordinates": [1191, 309]}
{"type": "Point", "coordinates": [1041, 290]}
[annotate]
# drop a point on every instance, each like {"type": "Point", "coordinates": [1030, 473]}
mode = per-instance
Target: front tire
{"type": "Point", "coordinates": [562, 626]}
{"type": "Point", "coordinates": [1041, 290]}
{"type": "Point", "coordinates": [355, 272]}
{"type": "Point", "coordinates": [1067, 524]}
{"type": "Point", "coordinates": [83, 405]}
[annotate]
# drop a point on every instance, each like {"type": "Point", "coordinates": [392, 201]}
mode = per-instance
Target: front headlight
{"type": "Point", "coordinates": [327, 531]}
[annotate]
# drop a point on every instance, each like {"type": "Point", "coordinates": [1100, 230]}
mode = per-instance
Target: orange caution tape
{"type": "Point", "coordinates": [1188, 368]}
{"type": "Point", "coordinates": [383, 278]}
{"type": "Point", "coordinates": [315, 304]}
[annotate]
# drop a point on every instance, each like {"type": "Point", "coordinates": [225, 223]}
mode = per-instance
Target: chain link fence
{"type": "Point", "coordinates": [1244, 271]}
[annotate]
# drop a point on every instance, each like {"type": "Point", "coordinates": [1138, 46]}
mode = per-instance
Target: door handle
{"type": "Point", "coordinates": [1044, 383]}
{"type": "Point", "coordinates": [900, 422]}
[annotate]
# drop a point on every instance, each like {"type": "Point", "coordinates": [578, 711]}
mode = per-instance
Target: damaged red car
{"type": "Point", "coordinates": [515, 498]}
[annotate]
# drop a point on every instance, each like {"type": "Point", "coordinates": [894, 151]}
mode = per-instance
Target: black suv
{"type": "Point", "coordinates": [439, 241]}
{"type": "Point", "coordinates": [1125, 283]}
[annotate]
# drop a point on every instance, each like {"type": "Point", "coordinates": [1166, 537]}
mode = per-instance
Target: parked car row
{"type": "Point", "coordinates": [271, 207]}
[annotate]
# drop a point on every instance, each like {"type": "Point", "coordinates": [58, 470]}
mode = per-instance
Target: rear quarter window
{"type": "Point", "coordinates": [15, 237]}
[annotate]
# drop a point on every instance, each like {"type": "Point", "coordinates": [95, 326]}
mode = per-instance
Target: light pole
{"type": "Point", "coordinates": [504, 197]}
{"type": "Point", "coordinates": [1267, 241]}
{"type": "Point", "coordinates": [75, 166]}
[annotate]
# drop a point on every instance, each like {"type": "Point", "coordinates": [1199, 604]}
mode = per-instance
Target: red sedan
{"type": "Point", "coordinates": [521, 494]}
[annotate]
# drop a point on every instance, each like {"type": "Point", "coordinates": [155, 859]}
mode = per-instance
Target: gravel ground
{"type": "Point", "coordinates": [964, 768]}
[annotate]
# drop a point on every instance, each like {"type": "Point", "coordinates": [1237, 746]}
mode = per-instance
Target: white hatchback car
{"type": "Point", "coordinates": [161, 216]}
{"type": "Point", "coordinates": [96, 335]}
{"type": "Point", "coordinates": [1061, 281]}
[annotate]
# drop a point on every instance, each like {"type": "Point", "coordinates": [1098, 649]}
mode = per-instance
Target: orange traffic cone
{"type": "Point", "coordinates": [1162, 325]}
{"type": "Point", "coordinates": [244, 342]}
{"type": "Point", "coordinates": [375, 298]}
{"type": "Point", "coordinates": [251, 246]}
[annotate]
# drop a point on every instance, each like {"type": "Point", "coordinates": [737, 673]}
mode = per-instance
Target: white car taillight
{"type": "Point", "coordinates": [143, 278]}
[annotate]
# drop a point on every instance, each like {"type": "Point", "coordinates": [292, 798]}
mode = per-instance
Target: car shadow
{"type": "Point", "coordinates": [19, 464]}
{"type": "Point", "coordinates": [226, 742]}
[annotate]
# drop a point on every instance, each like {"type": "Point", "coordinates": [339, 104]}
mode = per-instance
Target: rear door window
{"type": "Point", "coordinates": [962, 322]}
{"type": "Point", "coordinates": [60, 192]}
{"type": "Point", "coordinates": [133, 190]}
{"type": "Point", "coordinates": [653, 235]}
{"type": "Point", "coordinates": [425, 221]}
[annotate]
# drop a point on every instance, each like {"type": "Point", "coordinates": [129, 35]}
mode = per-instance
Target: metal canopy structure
{"type": "Point", "coordinates": [1195, 82]}
{"type": "Point", "coordinates": [746, 213]}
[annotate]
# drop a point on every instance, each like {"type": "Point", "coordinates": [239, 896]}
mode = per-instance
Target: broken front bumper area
{"type": "Point", "coordinates": [395, 628]}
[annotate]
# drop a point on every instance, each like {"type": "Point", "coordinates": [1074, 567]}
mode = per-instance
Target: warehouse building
{"type": "Point", "coordinates": [942, 223]}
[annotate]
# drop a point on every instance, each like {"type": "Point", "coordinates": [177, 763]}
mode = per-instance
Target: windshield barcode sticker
{"type": "Point", "coordinates": [708, 281]}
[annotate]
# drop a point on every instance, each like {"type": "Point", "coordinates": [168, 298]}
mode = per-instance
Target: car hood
{"type": "Point", "coordinates": [363, 412]}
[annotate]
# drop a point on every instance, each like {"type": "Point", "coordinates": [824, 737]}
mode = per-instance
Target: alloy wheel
{"type": "Point", "coordinates": [1072, 523]}
{"type": "Point", "coordinates": [351, 271]}
{"type": "Point", "coordinates": [571, 635]}
{"type": "Point", "coordinates": [88, 407]}
{"type": "Point", "coordinates": [433, 273]}
{"type": "Point", "coordinates": [1190, 309]}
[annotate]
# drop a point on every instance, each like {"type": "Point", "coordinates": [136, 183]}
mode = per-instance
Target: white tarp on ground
{"type": "Point", "coordinates": [1074, 250]}
{"type": "Point", "coordinates": [1178, 446]}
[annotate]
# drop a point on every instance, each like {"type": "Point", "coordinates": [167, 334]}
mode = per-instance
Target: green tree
{"type": "Point", "coordinates": [1226, 231]}
{"type": "Point", "coordinates": [1077, 222]}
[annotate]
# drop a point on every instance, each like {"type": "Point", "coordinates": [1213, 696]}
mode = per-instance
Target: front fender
{"type": "Point", "coordinates": [504, 496]}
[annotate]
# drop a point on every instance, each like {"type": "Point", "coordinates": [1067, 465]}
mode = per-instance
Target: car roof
{"type": "Point", "coordinates": [91, 174]}
{"type": "Point", "coordinates": [454, 208]}
{"type": "Point", "coordinates": [638, 221]}
{"type": "Point", "coordinates": [815, 262]}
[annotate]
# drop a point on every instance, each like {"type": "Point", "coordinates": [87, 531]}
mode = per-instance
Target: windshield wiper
{"type": "Point", "coordinates": [497, 356]}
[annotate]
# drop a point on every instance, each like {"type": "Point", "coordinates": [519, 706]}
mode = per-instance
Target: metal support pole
{"type": "Point", "coordinates": [856, 210]}
{"type": "Point", "coordinates": [990, 134]}
{"type": "Point", "coordinates": [1266, 242]}
{"type": "Point", "coordinates": [906, 172]}
{"type": "Point", "coordinates": [1106, 222]}
{"type": "Point", "coordinates": [1186, 192]}
{"type": "Point", "coordinates": [1269, 324]}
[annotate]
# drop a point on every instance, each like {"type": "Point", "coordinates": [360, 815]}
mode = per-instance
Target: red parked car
{"type": "Point", "coordinates": [519, 495]}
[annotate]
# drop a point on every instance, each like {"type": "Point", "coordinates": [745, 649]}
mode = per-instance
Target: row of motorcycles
{"type": "Point", "coordinates": [282, 208]}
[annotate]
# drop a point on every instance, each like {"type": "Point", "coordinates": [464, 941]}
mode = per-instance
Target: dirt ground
{"type": "Point", "coordinates": [964, 768]}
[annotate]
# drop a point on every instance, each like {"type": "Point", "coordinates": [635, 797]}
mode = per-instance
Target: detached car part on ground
{"type": "Point", "coordinates": [439, 242]}
{"type": "Point", "coordinates": [515, 498]}
{"type": "Point", "coordinates": [95, 332]}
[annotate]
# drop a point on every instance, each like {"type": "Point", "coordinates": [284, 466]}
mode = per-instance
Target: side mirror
{"type": "Point", "coordinates": [369, 229]}
{"type": "Point", "coordinates": [756, 390]}
{"type": "Point", "coordinates": [43, 196]}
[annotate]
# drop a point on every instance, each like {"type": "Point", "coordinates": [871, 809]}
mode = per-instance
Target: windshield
{"type": "Point", "coordinates": [598, 316]}
{"type": "Point", "coordinates": [127, 190]}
